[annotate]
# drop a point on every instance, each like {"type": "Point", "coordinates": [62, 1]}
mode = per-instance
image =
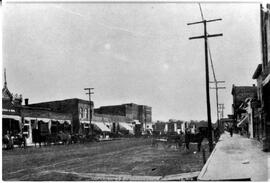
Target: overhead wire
{"type": "Point", "coordinates": [209, 50]}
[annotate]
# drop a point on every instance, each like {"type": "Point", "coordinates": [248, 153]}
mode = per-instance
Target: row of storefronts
{"type": "Point", "coordinates": [70, 116]}
{"type": "Point", "coordinates": [252, 106]}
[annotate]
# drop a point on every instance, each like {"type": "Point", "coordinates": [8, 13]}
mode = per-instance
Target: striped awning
{"type": "Point", "coordinates": [126, 126]}
{"type": "Point", "coordinates": [101, 126]}
{"type": "Point", "coordinates": [15, 117]}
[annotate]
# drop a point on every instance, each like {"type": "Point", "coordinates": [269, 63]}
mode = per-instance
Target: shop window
{"type": "Point", "coordinates": [81, 112]}
{"type": "Point", "coordinates": [86, 113]}
{"type": "Point", "coordinates": [54, 127]}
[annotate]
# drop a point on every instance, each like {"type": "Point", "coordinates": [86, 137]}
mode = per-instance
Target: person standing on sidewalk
{"type": "Point", "coordinates": [187, 138]}
{"type": "Point", "coordinates": [231, 131]}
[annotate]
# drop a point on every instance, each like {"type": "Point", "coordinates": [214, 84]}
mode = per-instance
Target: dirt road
{"type": "Point", "coordinates": [134, 157]}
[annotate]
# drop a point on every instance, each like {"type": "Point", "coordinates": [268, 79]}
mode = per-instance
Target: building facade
{"type": "Point", "coordinates": [262, 75]}
{"type": "Point", "coordinates": [131, 112]}
{"type": "Point", "coordinates": [25, 120]}
{"type": "Point", "coordinates": [240, 94]}
{"type": "Point", "coordinates": [78, 108]}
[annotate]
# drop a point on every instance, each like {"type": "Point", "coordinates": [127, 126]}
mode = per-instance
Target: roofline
{"type": "Point", "coordinates": [122, 105]}
{"type": "Point", "coordinates": [92, 102]}
{"type": "Point", "coordinates": [32, 107]}
{"type": "Point", "coordinates": [257, 71]}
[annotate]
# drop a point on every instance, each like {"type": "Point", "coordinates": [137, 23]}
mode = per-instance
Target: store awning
{"type": "Point", "coordinates": [136, 122]}
{"type": "Point", "coordinates": [63, 121]}
{"type": "Point", "coordinates": [126, 126]}
{"type": "Point", "coordinates": [45, 120]}
{"type": "Point", "coordinates": [29, 118]}
{"type": "Point", "coordinates": [15, 117]}
{"type": "Point", "coordinates": [101, 126]}
{"type": "Point", "coordinates": [108, 124]}
{"type": "Point", "coordinates": [243, 121]}
{"type": "Point", "coordinates": [84, 122]}
{"type": "Point", "coordinates": [266, 80]}
{"type": "Point", "coordinates": [67, 121]}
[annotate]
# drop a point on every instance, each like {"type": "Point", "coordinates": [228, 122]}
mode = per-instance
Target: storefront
{"type": "Point", "coordinates": [11, 124]}
{"type": "Point", "coordinates": [266, 112]}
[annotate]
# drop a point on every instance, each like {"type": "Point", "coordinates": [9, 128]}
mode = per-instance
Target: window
{"type": "Point", "coordinates": [81, 112]}
{"type": "Point", "coordinates": [86, 113]}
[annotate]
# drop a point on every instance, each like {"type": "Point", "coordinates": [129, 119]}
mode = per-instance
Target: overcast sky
{"type": "Point", "coordinates": [128, 52]}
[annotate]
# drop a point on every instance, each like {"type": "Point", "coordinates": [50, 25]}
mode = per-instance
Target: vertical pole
{"type": "Point", "coordinates": [207, 89]}
{"type": "Point", "coordinates": [90, 107]}
{"type": "Point", "coordinates": [217, 105]}
{"type": "Point", "coordinates": [90, 113]}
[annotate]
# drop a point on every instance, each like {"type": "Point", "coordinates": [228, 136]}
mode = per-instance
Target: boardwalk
{"type": "Point", "coordinates": [236, 158]}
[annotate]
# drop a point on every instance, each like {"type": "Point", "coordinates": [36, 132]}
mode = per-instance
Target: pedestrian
{"type": "Point", "coordinates": [180, 140]}
{"type": "Point", "coordinates": [199, 141]}
{"type": "Point", "coordinates": [6, 140]}
{"type": "Point", "coordinates": [187, 138]}
{"type": "Point", "coordinates": [24, 140]}
{"type": "Point", "coordinates": [231, 131]}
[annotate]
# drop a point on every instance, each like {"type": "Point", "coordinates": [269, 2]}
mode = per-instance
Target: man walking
{"type": "Point", "coordinates": [187, 138]}
{"type": "Point", "coordinates": [231, 131]}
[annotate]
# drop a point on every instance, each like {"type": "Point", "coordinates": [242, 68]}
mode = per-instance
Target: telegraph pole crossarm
{"type": "Point", "coordinates": [216, 81]}
{"type": "Point", "coordinates": [209, 35]}
{"type": "Point", "coordinates": [217, 87]}
{"type": "Point", "coordinates": [205, 36]}
{"type": "Point", "coordinates": [213, 20]}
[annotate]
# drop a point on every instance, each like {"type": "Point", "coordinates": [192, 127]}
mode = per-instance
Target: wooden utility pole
{"type": "Point", "coordinates": [221, 108]}
{"type": "Point", "coordinates": [90, 112]}
{"type": "Point", "coordinates": [217, 88]}
{"type": "Point", "coordinates": [205, 36]}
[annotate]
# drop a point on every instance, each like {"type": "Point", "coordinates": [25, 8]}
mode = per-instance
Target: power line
{"type": "Point", "coordinates": [205, 37]}
{"type": "Point", "coordinates": [201, 11]}
{"type": "Point", "coordinates": [213, 71]}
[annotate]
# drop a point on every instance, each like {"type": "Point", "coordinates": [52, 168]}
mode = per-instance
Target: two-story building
{"type": "Point", "coordinates": [24, 119]}
{"type": "Point", "coordinates": [262, 75]}
{"type": "Point", "coordinates": [240, 94]}
{"type": "Point", "coordinates": [78, 108]}
{"type": "Point", "coordinates": [130, 111]}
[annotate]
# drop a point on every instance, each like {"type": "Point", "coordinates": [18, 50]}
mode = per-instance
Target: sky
{"type": "Point", "coordinates": [130, 52]}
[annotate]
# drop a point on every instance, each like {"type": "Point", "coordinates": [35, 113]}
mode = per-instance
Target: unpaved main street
{"type": "Point", "coordinates": [133, 157]}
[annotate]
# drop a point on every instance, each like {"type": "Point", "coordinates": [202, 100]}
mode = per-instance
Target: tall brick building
{"type": "Point", "coordinates": [80, 110]}
{"type": "Point", "coordinates": [132, 111]}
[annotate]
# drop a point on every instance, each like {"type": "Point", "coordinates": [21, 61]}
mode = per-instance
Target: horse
{"type": "Point", "coordinates": [19, 140]}
{"type": "Point", "coordinates": [171, 140]}
{"type": "Point", "coordinates": [8, 142]}
{"type": "Point", "coordinates": [65, 138]}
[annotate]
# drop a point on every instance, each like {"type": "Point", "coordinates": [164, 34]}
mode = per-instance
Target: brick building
{"type": "Point", "coordinates": [262, 75]}
{"type": "Point", "coordinates": [131, 111]}
{"type": "Point", "coordinates": [240, 94]}
{"type": "Point", "coordinates": [78, 108]}
{"type": "Point", "coordinates": [23, 119]}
